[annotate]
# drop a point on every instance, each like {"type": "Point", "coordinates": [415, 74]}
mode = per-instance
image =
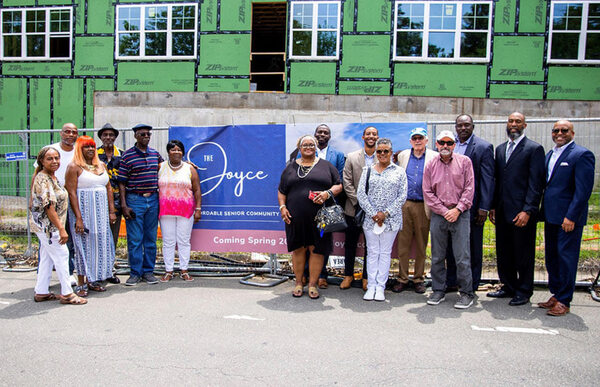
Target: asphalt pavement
{"type": "Point", "coordinates": [215, 331]}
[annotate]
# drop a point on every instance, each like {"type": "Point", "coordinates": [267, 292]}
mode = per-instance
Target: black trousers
{"type": "Point", "coordinates": [476, 242]}
{"type": "Point", "coordinates": [352, 234]}
{"type": "Point", "coordinates": [515, 250]}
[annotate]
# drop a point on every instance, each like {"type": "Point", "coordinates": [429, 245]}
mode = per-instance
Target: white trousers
{"type": "Point", "coordinates": [176, 230]}
{"type": "Point", "coordinates": [53, 255]}
{"type": "Point", "coordinates": [379, 257]}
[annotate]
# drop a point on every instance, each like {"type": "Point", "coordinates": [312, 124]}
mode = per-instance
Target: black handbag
{"type": "Point", "coordinates": [331, 218]}
{"type": "Point", "coordinates": [359, 213]}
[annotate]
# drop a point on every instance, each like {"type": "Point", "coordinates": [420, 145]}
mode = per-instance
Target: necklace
{"type": "Point", "coordinates": [91, 167]}
{"type": "Point", "coordinates": [303, 171]}
{"type": "Point", "coordinates": [175, 168]}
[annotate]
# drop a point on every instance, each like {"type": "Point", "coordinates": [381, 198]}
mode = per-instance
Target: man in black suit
{"type": "Point", "coordinates": [520, 180]}
{"type": "Point", "coordinates": [481, 154]}
{"type": "Point", "coordinates": [570, 176]}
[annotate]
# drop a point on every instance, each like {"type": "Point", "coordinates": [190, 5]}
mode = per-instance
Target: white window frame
{"type": "Point", "coordinates": [47, 34]}
{"type": "Point", "coordinates": [169, 31]}
{"type": "Point", "coordinates": [314, 31]}
{"type": "Point", "coordinates": [457, 32]}
{"type": "Point", "coordinates": [583, 32]}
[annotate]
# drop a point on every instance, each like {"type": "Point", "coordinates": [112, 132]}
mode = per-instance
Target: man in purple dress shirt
{"type": "Point", "coordinates": [448, 187]}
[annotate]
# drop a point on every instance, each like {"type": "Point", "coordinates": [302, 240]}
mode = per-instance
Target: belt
{"type": "Point", "coordinates": [144, 194]}
{"type": "Point", "coordinates": [414, 200]}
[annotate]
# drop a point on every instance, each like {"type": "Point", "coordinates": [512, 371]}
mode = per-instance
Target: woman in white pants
{"type": "Point", "coordinates": [382, 202]}
{"type": "Point", "coordinates": [179, 196]}
{"type": "Point", "coordinates": [48, 215]}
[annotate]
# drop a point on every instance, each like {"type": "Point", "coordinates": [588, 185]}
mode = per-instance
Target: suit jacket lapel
{"type": "Point", "coordinates": [470, 147]}
{"type": "Point", "coordinates": [516, 151]}
{"type": "Point", "coordinates": [502, 153]}
{"type": "Point", "coordinates": [560, 159]}
{"type": "Point", "coordinates": [361, 160]}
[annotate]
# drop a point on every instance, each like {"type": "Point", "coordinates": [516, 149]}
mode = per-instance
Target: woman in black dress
{"type": "Point", "coordinates": [306, 183]}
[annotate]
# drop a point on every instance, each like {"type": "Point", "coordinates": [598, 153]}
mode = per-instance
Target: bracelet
{"type": "Point", "coordinates": [281, 206]}
{"type": "Point", "coordinates": [330, 193]}
{"type": "Point", "coordinates": [197, 209]}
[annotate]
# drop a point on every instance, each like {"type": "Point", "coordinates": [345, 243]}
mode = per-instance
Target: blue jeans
{"type": "Point", "coordinates": [141, 233]}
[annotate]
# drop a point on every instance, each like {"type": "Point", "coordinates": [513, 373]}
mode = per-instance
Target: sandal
{"type": "Point", "coordinates": [44, 297]}
{"type": "Point", "coordinates": [80, 291]}
{"type": "Point", "coordinates": [186, 276]}
{"type": "Point", "coordinates": [73, 299]}
{"type": "Point", "coordinates": [96, 287]}
{"type": "Point", "coordinates": [313, 293]}
{"type": "Point", "coordinates": [298, 291]}
{"type": "Point", "coordinates": [167, 276]}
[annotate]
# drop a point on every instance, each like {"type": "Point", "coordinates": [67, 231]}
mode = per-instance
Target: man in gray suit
{"type": "Point", "coordinates": [355, 162]}
{"type": "Point", "coordinates": [415, 214]}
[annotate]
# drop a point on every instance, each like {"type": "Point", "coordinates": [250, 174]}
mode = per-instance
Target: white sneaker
{"type": "Point", "coordinates": [73, 280]}
{"type": "Point", "coordinates": [369, 294]}
{"type": "Point", "coordinates": [379, 294]}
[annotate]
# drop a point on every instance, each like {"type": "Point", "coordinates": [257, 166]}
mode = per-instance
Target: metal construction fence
{"type": "Point", "coordinates": [18, 150]}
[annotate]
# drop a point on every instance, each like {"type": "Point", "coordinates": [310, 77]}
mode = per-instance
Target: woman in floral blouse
{"type": "Point", "coordinates": [382, 203]}
{"type": "Point", "coordinates": [48, 216]}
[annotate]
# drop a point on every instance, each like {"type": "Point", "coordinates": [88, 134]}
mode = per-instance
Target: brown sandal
{"type": "Point", "coordinates": [73, 299]}
{"type": "Point", "coordinates": [81, 291]}
{"type": "Point", "coordinates": [186, 276]}
{"type": "Point", "coordinates": [167, 276]}
{"type": "Point", "coordinates": [313, 293]}
{"type": "Point", "coordinates": [298, 291]}
{"type": "Point", "coordinates": [96, 287]}
{"type": "Point", "coordinates": [44, 297]}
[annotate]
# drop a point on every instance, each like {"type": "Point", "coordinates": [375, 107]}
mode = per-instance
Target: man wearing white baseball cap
{"type": "Point", "coordinates": [448, 188]}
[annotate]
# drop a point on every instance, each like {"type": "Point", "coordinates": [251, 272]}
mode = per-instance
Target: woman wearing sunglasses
{"type": "Point", "coordinates": [382, 203]}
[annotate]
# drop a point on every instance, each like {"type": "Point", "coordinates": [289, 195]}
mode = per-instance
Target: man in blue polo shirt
{"type": "Point", "coordinates": [138, 187]}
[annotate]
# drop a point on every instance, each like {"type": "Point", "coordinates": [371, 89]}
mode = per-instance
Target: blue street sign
{"type": "Point", "coordinates": [16, 156]}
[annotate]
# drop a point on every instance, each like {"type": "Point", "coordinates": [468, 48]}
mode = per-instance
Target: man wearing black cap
{"type": "Point", "coordinates": [138, 187]}
{"type": "Point", "coordinates": [110, 155]}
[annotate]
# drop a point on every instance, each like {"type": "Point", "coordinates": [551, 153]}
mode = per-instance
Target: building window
{"type": "Point", "coordinates": [156, 31]}
{"type": "Point", "coordinates": [442, 31]}
{"type": "Point", "coordinates": [315, 30]}
{"type": "Point", "coordinates": [574, 32]}
{"type": "Point", "coordinates": [37, 33]}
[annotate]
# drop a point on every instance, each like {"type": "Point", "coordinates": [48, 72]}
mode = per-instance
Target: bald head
{"type": "Point", "coordinates": [68, 135]}
{"type": "Point", "coordinates": [516, 125]}
{"type": "Point", "coordinates": [562, 132]}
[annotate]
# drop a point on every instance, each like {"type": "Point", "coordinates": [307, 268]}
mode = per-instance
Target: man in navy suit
{"type": "Point", "coordinates": [520, 181]}
{"type": "Point", "coordinates": [570, 179]}
{"type": "Point", "coordinates": [481, 154]}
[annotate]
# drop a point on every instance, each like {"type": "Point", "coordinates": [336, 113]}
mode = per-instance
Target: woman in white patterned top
{"type": "Point", "coordinates": [48, 215]}
{"type": "Point", "coordinates": [382, 203]}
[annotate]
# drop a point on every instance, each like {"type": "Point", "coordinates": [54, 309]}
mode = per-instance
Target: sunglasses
{"type": "Point", "coordinates": [562, 130]}
{"type": "Point", "coordinates": [384, 151]}
{"type": "Point", "coordinates": [148, 134]}
{"type": "Point", "coordinates": [442, 143]}
{"type": "Point", "coordinates": [417, 138]}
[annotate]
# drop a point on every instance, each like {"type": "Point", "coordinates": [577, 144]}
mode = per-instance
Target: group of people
{"type": "Point", "coordinates": [79, 194]}
{"type": "Point", "coordinates": [449, 194]}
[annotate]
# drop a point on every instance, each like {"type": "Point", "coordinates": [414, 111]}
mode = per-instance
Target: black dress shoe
{"type": "Point", "coordinates": [113, 280]}
{"type": "Point", "coordinates": [499, 294]}
{"type": "Point", "coordinates": [518, 300]}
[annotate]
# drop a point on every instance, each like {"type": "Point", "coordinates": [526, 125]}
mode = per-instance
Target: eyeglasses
{"type": "Point", "coordinates": [384, 151]}
{"type": "Point", "coordinates": [442, 143]}
{"type": "Point", "coordinates": [417, 138]}
{"type": "Point", "coordinates": [145, 134]}
{"type": "Point", "coordinates": [307, 146]}
{"type": "Point", "coordinates": [562, 130]}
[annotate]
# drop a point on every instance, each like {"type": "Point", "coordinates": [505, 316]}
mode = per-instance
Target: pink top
{"type": "Point", "coordinates": [175, 191]}
{"type": "Point", "coordinates": [448, 185]}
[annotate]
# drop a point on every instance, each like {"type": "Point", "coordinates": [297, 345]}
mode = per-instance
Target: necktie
{"type": "Point", "coordinates": [509, 151]}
